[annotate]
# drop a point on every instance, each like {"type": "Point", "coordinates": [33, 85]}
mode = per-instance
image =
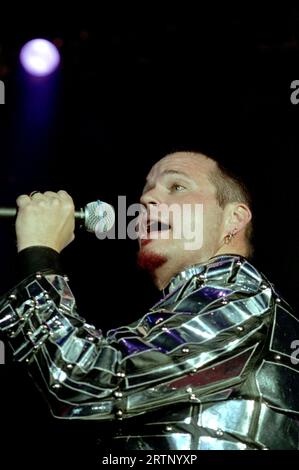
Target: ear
{"type": "Point", "coordinates": [236, 216]}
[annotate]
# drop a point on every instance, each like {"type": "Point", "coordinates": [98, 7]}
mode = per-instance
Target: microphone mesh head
{"type": "Point", "coordinates": [99, 217]}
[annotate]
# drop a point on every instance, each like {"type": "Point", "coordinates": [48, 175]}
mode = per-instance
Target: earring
{"type": "Point", "coordinates": [228, 238]}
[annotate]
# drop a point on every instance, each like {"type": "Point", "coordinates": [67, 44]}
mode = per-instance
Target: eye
{"type": "Point", "coordinates": [175, 187]}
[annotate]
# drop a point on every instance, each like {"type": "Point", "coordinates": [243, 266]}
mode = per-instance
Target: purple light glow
{"type": "Point", "coordinates": [39, 57]}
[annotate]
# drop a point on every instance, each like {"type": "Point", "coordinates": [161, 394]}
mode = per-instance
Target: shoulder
{"type": "Point", "coordinates": [234, 270]}
{"type": "Point", "coordinates": [227, 279]}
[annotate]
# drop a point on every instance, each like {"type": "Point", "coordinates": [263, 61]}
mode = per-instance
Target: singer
{"type": "Point", "coordinates": [208, 367]}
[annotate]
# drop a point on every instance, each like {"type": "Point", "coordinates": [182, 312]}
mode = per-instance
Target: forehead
{"type": "Point", "coordinates": [194, 165]}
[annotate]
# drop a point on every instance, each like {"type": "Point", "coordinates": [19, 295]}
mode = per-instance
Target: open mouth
{"type": "Point", "coordinates": [152, 229]}
{"type": "Point", "coordinates": [157, 226]}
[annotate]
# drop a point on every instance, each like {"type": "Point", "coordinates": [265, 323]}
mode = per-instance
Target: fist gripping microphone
{"type": "Point", "coordinates": [97, 216]}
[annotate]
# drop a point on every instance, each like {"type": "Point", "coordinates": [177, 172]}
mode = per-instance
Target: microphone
{"type": "Point", "coordinates": [96, 217]}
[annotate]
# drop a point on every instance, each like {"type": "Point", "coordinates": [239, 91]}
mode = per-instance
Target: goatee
{"type": "Point", "coordinates": [150, 261]}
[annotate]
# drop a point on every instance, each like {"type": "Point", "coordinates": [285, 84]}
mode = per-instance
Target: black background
{"type": "Point", "coordinates": [134, 84]}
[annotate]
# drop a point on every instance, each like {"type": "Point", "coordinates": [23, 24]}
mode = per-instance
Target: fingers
{"type": "Point", "coordinates": [61, 195]}
{"type": "Point", "coordinates": [36, 197]}
{"type": "Point", "coordinates": [45, 219]}
{"type": "Point", "coordinates": [50, 194]}
{"type": "Point", "coordinates": [64, 195]}
{"type": "Point", "coordinates": [67, 198]}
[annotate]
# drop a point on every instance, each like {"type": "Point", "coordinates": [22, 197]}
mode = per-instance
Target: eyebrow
{"type": "Point", "coordinates": [164, 173]}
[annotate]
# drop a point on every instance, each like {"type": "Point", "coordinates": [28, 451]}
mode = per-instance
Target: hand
{"type": "Point", "coordinates": [46, 219]}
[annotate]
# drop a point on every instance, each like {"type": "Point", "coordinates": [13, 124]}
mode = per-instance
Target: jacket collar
{"type": "Point", "coordinates": [184, 276]}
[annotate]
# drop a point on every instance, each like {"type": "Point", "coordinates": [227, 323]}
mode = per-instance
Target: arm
{"type": "Point", "coordinates": [200, 343]}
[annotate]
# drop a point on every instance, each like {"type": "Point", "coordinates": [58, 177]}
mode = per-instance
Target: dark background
{"type": "Point", "coordinates": [133, 85]}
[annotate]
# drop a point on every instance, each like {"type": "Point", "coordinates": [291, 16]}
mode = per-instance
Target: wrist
{"type": "Point", "coordinates": [23, 245]}
{"type": "Point", "coordinates": [38, 258]}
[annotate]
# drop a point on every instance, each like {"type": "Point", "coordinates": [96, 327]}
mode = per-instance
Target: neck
{"type": "Point", "coordinates": [164, 273]}
{"type": "Point", "coordinates": [235, 247]}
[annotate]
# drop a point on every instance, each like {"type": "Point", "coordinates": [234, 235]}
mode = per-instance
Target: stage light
{"type": "Point", "coordinates": [39, 57]}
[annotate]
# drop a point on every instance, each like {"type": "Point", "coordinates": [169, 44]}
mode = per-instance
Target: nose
{"type": "Point", "coordinates": [149, 198]}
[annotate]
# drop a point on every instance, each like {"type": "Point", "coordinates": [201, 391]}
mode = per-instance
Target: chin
{"type": "Point", "coordinates": [150, 260]}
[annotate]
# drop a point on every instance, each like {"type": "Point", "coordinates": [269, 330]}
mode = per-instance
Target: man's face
{"type": "Point", "coordinates": [180, 201]}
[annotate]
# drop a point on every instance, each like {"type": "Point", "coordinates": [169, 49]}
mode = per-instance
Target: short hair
{"type": "Point", "coordinates": [231, 188]}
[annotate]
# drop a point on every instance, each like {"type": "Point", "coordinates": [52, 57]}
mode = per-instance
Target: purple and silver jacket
{"type": "Point", "coordinates": [210, 366]}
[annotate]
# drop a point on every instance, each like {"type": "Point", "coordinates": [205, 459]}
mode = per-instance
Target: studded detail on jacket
{"type": "Point", "coordinates": [211, 366]}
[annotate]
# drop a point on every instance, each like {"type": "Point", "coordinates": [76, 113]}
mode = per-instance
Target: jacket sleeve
{"type": "Point", "coordinates": [198, 341]}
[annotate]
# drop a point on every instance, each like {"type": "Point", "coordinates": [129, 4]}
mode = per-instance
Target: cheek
{"type": "Point", "coordinates": [212, 216]}
{"type": "Point", "coordinates": [193, 215]}
{"type": "Point", "coordinates": [184, 211]}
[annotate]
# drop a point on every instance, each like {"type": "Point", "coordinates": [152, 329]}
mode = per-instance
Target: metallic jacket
{"type": "Point", "coordinates": [213, 365]}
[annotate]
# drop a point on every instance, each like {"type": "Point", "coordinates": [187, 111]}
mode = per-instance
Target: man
{"type": "Point", "coordinates": [209, 367]}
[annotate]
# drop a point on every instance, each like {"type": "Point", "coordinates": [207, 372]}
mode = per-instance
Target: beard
{"type": "Point", "coordinates": [150, 261]}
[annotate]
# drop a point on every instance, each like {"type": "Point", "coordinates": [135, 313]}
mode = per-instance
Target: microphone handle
{"type": "Point", "coordinates": [8, 212]}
